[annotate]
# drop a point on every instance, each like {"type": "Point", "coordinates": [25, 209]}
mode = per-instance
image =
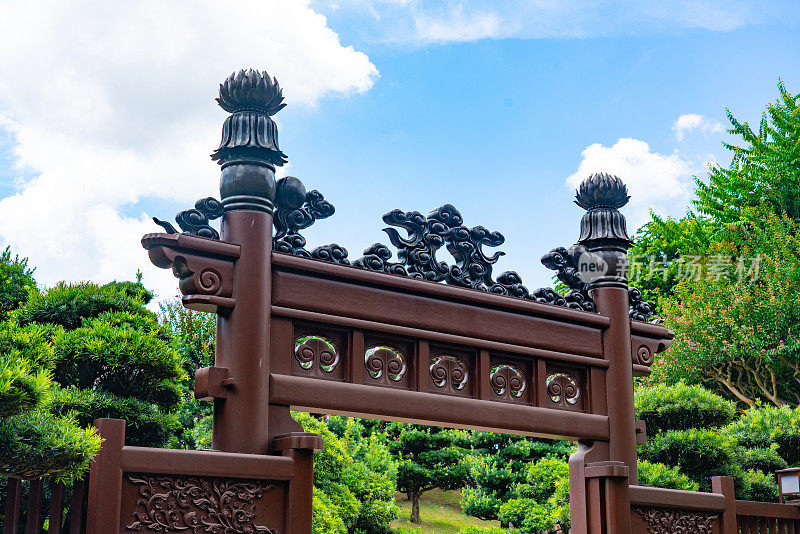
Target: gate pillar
{"type": "Point", "coordinates": [601, 257]}
{"type": "Point", "coordinates": [248, 154]}
{"type": "Point", "coordinates": [599, 495]}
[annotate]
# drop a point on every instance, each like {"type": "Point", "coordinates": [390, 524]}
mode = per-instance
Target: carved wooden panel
{"type": "Point", "coordinates": [387, 362]}
{"type": "Point", "coordinates": [450, 371]}
{"type": "Point", "coordinates": [565, 388]}
{"type": "Point", "coordinates": [509, 380]}
{"type": "Point", "coordinates": [318, 352]}
{"type": "Point", "coordinates": [672, 521]}
{"type": "Point", "coordinates": [157, 503]}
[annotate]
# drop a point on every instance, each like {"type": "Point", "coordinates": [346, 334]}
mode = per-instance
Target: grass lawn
{"type": "Point", "coordinates": [440, 512]}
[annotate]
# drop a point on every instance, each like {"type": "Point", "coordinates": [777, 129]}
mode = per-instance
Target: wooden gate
{"type": "Point", "coordinates": [396, 335]}
{"type": "Point", "coordinates": [411, 338]}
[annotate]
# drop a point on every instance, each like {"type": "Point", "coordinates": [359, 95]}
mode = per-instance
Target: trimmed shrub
{"type": "Point", "coordinates": [681, 407]}
{"type": "Point", "coordinates": [146, 425]}
{"type": "Point", "coordinates": [123, 353]}
{"type": "Point", "coordinates": [478, 502]}
{"type": "Point", "coordinates": [36, 443]}
{"type": "Point", "coordinates": [761, 486]}
{"type": "Point", "coordinates": [663, 476]}
{"type": "Point", "coordinates": [700, 454]}
{"type": "Point", "coordinates": [766, 460]}
{"type": "Point", "coordinates": [68, 304]}
{"type": "Point", "coordinates": [767, 425]}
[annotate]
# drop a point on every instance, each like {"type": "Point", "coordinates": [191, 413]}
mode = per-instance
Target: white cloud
{"type": "Point", "coordinates": [421, 22]}
{"type": "Point", "coordinates": [691, 122]}
{"type": "Point", "coordinates": [653, 179]}
{"type": "Point", "coordinates": [110, 103]}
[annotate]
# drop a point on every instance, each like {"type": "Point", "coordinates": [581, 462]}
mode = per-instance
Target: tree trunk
{"type": "Point", "coordinates": [415, 518]}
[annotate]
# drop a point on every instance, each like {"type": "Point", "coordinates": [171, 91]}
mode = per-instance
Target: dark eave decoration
{"type": "Point", "coordinates": [250, 138]}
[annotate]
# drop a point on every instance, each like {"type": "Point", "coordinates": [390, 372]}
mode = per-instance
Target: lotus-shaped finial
{"type": "Point", "coordinates": [601, 190]}
{"type": "Point", "coordinates": [251, 89]}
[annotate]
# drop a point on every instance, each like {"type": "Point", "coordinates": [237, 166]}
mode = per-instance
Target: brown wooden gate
{"type": "Point", "coordinates": [411, 339]}
{"type": "Point", "coordinates": [397, 335]}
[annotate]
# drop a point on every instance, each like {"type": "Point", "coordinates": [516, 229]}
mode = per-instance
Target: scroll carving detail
{"type": "Point", "coordinates": [311, 350]}
{"type": "Point", "coordinates": [208, 506]}
{"type": "Point", "coordinates": [563, 389]}
{"type": "Point", "coordinates": [196, 221]}
{"type": "Point", "coordinates": [508, 381]}
{"type": "Point", "coordinates": [385, 362]}
{"type": "Point", "coordinates": [449, 372]}
{"type": "Point", "coordinates": [663, 521]}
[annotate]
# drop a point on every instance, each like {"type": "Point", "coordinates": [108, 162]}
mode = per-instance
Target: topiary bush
{"type": "Point", "coordinates": [766, 460]}
{"type": "Point", "coordinates": [765, 426]}
{"type": "Point", "coordinates": [108, 356]}
{"type": "Point", "coordinates": [761, 486]}
{"type": "Point", "coordinates": [680, 407]}
{"type": "Point", "coordinates": [663, 476]}
{"type": "Point", "coordinates": [700, 454]}
{"type": "Point", "coordinates": [68, 304]}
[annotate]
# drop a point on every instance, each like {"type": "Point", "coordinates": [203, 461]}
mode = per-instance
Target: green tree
{"type": "Point", "coordinates": [33, 441]}
{"type": "Point", "coordinates": [110, 356]}
{"type": "Point", "coordinates": [764, 170]}
{"type": "Point", "coordinates": [496, 463]}
{"type": "Point", "coordinates": [741, 337]}
{"type": "Point", "coordinates": [195, 336]}
{"type": "Point", "coordinates": [765, 166]}
{"type": "Point", "coordinates": [16, 279]}
{"type": "Point", "coordinates": [427, 458]}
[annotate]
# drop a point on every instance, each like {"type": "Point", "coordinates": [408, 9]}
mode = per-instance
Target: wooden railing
{"type": "Point", "coordinates": [64, 514]}
{"type": "Point", "coordinates": [662, 511]}
{"type": "Point", "coordinates": [753, 517]}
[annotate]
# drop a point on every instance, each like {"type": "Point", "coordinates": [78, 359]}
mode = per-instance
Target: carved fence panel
{"type": "Point", "coordinates": [140, 489]}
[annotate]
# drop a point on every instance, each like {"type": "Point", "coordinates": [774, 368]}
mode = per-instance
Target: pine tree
{"type": "Point", "coordinates": [428, 458]}
{"type": "Point", "coordinates": [497, 463]}
{"type": "Point", "coordinates": [108, 356]}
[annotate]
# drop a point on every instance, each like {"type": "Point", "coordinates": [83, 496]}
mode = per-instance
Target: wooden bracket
{"type": "Point", "coordinates": [607, 469]}
{"type": "Point", "coordinates": [298, 440]}
{"type": "Point", "coordinates": [641, 432]}
{"type": "Point", "coordinates": [211, 383]}
{"type": "Point", "coordinates": [204, 267]}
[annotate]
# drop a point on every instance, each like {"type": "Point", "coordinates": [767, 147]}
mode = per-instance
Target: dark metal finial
{"type": "Point", "coordinates": [603, 232]}
{"type": "Point", "coordinates": [250, 89]}
{"type": "Point", "coordinates": [249, 151]}
{"type": "Point", "coordinates": [602, 190]}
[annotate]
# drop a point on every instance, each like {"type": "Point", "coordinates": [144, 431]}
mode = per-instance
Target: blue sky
{"type": "Point", "coordinates": [497, 108]}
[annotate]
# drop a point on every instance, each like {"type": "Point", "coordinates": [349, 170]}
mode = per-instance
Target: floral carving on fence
{"type": "Point", "coordinates": [663, 521]}
{"type": "Point", "coordinates": [196, 505]}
